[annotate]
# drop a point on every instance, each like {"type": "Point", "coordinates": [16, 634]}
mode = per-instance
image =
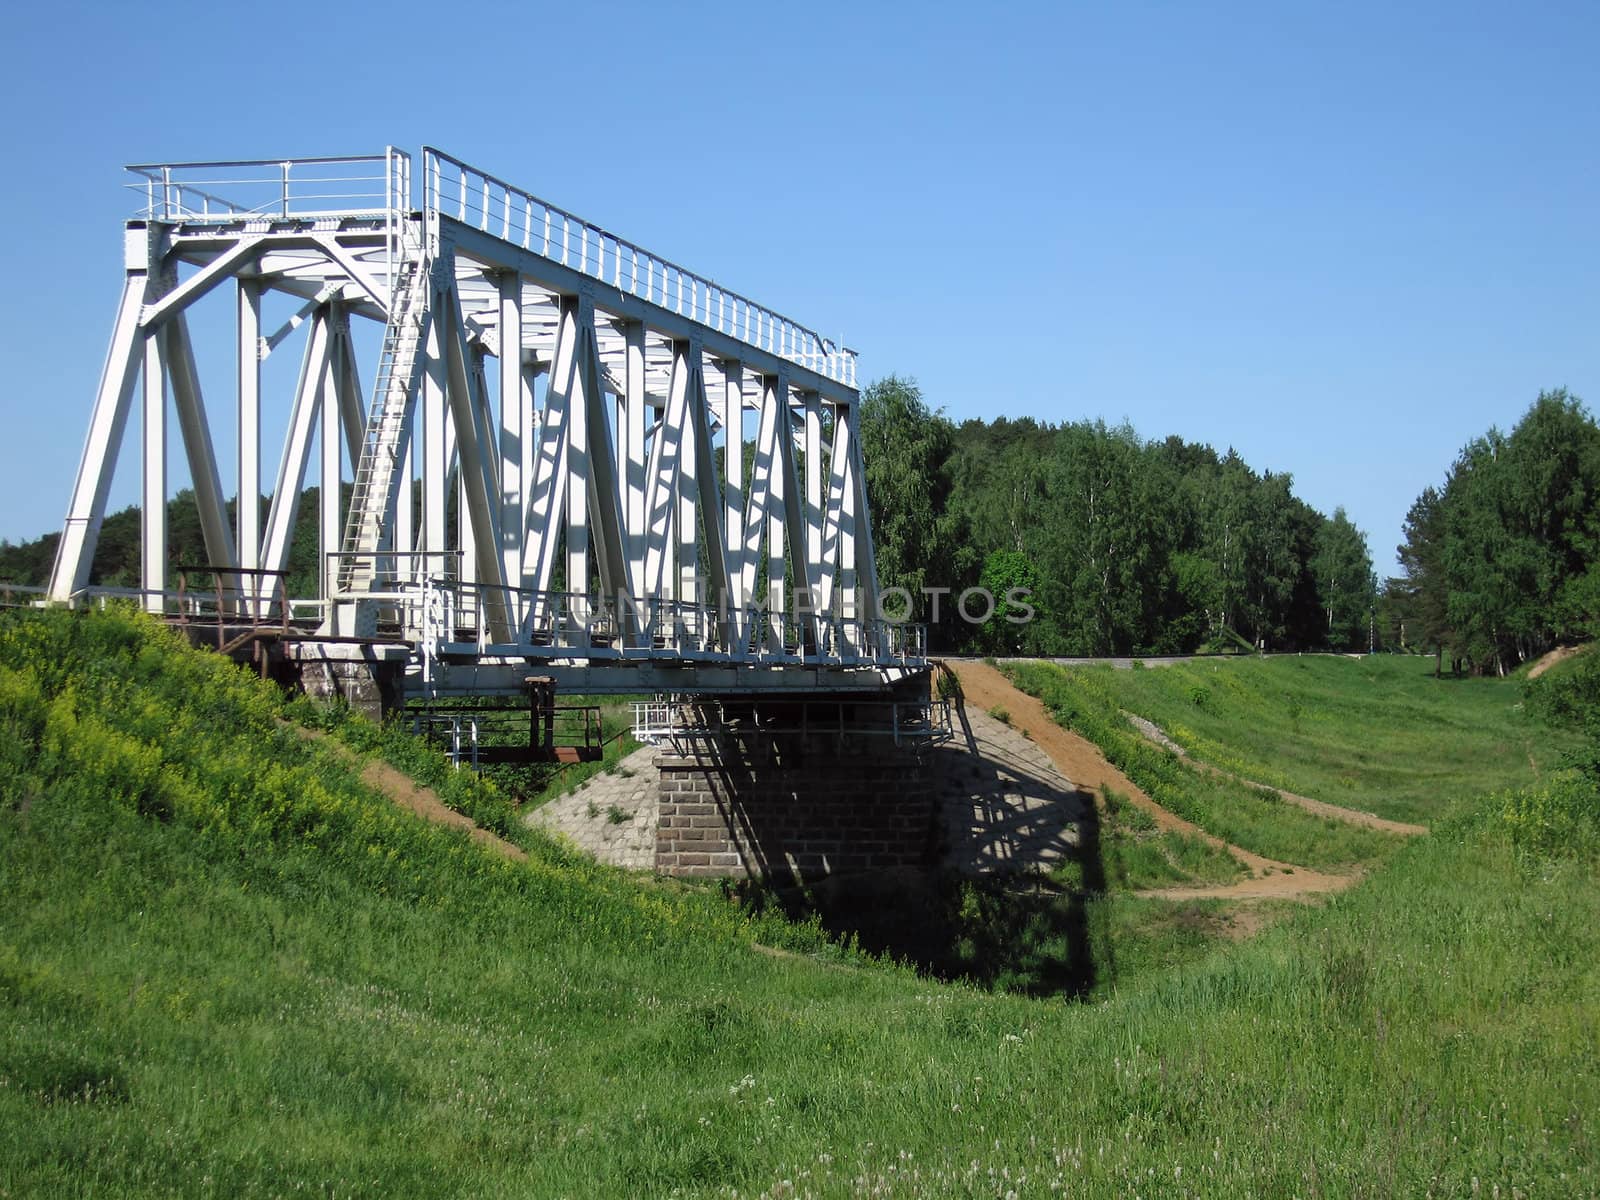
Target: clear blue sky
{"type": "Point", "coordinates": [1343, 239]}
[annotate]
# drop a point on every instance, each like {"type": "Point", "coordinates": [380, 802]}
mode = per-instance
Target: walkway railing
{"type": "Point", "coordinates": [454, 618]}
{"type": "Point", "coordinates": [263, 187]}
{"type": "Point", "coordinates": [476, 198]}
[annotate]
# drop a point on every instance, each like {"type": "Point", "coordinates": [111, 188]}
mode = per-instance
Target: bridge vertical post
{"type": "Point", "coordinates": [637, 401]}
{"type": "Point", "coordinates": [247, 517]}
{"type": "Point", "coordinates": [404, 533]}
{"type": "Point", "coordinates": [153, 517]}
{"type": "Point", "coordinates": [732, 413]}
{"type": "Point", "coordinates": [199, 450]}
{"type": "Point", "coordinates": [435, 449]}
{"type": "Point", "coordinates": [87, 509]}
{"type": "Point", "coordinates": [328, 523]}
{"type": "Point", "coordinates": [813, 506]}
{"type": "Point", "coordinates": [296, 450]}
{"type": "Point", "coordinates": [687, 521]}
{"type": "Point", "coordinates": [579, 310]}
{"type": "Point", "coordinates": [513, 425]}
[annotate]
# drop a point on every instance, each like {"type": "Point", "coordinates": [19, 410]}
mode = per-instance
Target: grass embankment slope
{"type": "Point", "coordinates": [226, 967]}
{"type": "Point", "coordinates": [1377, 734]}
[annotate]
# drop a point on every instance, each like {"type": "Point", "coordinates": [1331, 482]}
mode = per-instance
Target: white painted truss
{"type": "Point", "coordinates": [572, 449]}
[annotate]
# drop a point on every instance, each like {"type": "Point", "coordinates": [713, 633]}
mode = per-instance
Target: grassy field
{"type": "Point", "coordinates": [1090, 702]}
{"type": "Point", "coordinates": [1378, 733]}
{"type": "Point", "coordinates": [228, 969]}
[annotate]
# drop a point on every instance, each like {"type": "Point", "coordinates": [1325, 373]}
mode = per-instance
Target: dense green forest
{"type": "Point", "coordinates": [1128, 546]}
{"type": "Point", "coordinates": [1502, 561]}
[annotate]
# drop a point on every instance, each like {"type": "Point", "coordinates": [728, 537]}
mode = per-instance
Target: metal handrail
{"type": "Point", "coordinates": [475, 197]}
{"type": "Point", "coordinates": [283, 187]}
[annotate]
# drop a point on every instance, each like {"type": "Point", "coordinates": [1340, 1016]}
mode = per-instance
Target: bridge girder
{"type": "Point", "coordinates": [563, 408]}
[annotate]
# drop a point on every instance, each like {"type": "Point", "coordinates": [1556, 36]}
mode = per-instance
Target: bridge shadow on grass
{"type": "Point", "coordinates": [1010, 896]}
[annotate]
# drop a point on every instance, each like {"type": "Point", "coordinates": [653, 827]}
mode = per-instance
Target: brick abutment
{"type": "Point", "coordinates": [791, 807]}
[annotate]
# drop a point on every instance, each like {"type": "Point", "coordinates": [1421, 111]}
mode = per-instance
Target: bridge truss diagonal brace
{"type": "Point", "coordinates": [87, 509]}
{"type": "Point", "coordinates": [477, 448]}
{"type": "Point", "coordinates": [596, 449]}
{"type": "Point", "coordinates": [224, 266]}
{"type": "Point", "coordinates": [661, 476]}
{"type": "Point", "coordinates": [709, 497]}
{"type": "Point", "coordinates": [794, 521]}
{"type": "Point", "coordinates": [216, 530]}
{"type": "Point", "coordinates": [314, 382]}
{"type": "Point", "coordinates": [762, 483]}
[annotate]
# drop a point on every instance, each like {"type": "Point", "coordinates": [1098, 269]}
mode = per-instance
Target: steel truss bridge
{"type": "Point", "coordinates": [570, 454]}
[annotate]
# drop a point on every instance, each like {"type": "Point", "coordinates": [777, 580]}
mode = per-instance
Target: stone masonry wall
{"type": "Point", "coordinates": [791, 807]}
{"type": "Point", "coordinates": [371, 686]}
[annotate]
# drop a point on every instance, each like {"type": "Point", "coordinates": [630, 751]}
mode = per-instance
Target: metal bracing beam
{"type": "Point", "coordinates": [835, 516]}
{"type": "Point", "coordinates": [578, 472]}
{"type": "Point", "coordinates": [329, 524]}
{"type": "Point", "coordinates": [276, 338]}
{"type": "Point", "coordinates": [405, 518]}
{"type": "Point", "coordinates": [684, 527]}
{"type": "Point", "coordinates": [813, 497]}
{"type": "Point", "coordinates": [215, 528]}
{"type": "Point", "coordinates": [865, 558]}
{"type": "Point", "coordinates": [224, 266]}
{"type": "Point", "coordinates": [296, 449]}
{"type": "Point", "coordinates": [662, 475]}
{"type": "Point", "coordinates": [346, 377]}
{"type": "Point", "coordinates": [436, 447]}
{"type": "Point", "coordinates": [780, 487]}
{"type": "Point", "coordinates": [514, 412]}
{"type": "Point", "coordinates": [353, 267]}
{"type": "Point", "coordinates": [793, 514]}
{"type": "Point", "coordinates": [153, 512]}
{"type": "Point", "coordinates": [87, 509]}
{"type": "Point", "coordinates": [248, 515]}
{"type": "Point", "coordinates": [637, 404]}
{"type": "Point", "coordinates": [732, 414]}
{"type": "Point", "coordinates": [710, 500]}
{"type": "Point", "coordinates": [604, 498]}
{"type": "Point", "coordinates": [755, 514]}
{"type": "Point", "coordinates": [475, 446]}
{"type": "Point", "coordinates": [547, 498]}
{"type": "Point", "coordinates": [533, 428]}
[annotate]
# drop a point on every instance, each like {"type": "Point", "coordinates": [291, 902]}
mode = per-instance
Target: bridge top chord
{"type": "Point", "coordinates": [380, 185]}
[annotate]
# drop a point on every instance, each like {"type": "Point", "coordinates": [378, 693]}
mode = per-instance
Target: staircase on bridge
{"type": "Point", "coordinates": [370, 523]}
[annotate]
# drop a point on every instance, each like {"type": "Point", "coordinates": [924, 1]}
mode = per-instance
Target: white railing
{"type": "Point", "coordinates": [443, 615]}
{"type": "Point", "coordinates": [267, 188]}
{"type": "Point", "coordinates": [476, 198]}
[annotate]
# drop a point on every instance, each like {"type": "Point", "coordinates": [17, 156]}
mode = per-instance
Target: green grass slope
{"type": "Point", "coordinates": [228, 969]}
{"type": "Point", "coordinates": [1378, 733]}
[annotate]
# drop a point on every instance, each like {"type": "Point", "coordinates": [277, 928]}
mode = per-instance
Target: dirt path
{"type": "Point", "coordinates": [423, 802]}
{"type": "Point", "coordinates": [1350, 816]}
{"type": "Point", "coordinates": [1559, 654]}
{"type": "Point", "coordinates": [1080, 761]}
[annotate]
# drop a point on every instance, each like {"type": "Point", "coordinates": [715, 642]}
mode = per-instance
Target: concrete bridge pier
{"type": "Point", "coordinates": [369, 677]}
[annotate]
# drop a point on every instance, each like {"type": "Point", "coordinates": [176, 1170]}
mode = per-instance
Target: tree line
{"type": "Point", "coordinates": [1502, 560]}
{"type": "Point", "coordinates": [1127, 546]}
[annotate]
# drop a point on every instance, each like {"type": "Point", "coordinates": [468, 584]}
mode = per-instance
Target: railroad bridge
{"type": "Point", "coordinates": [572, 461]}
